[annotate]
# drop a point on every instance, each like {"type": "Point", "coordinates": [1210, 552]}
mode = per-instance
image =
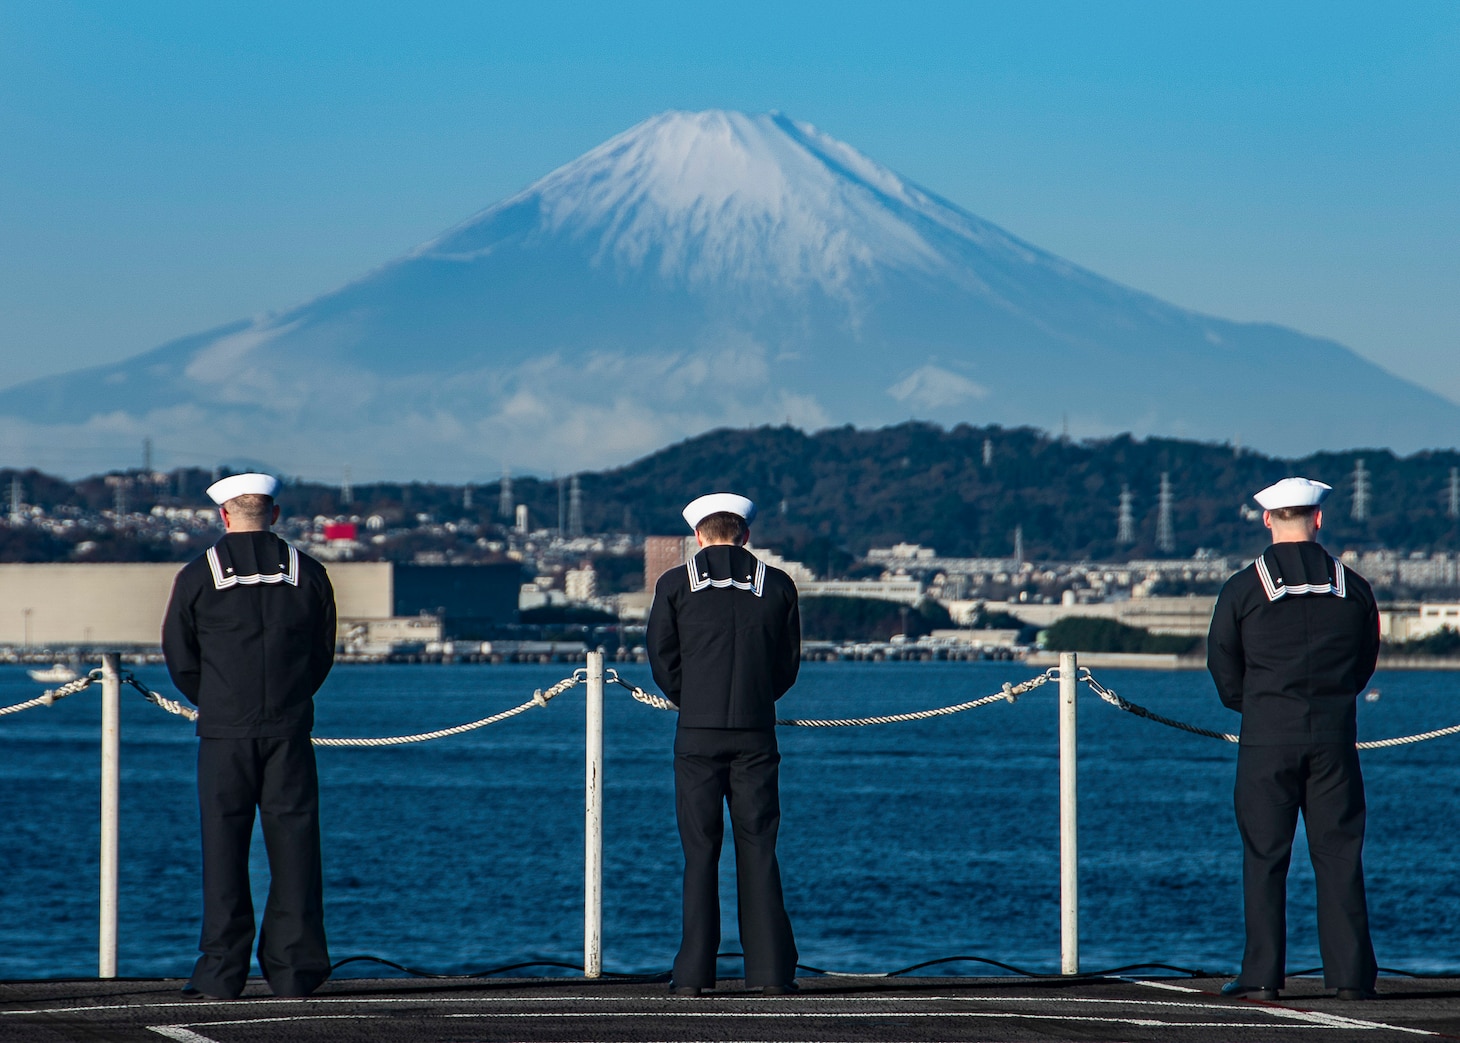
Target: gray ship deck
{"type": "Point", "coordinates": [561, 1009]}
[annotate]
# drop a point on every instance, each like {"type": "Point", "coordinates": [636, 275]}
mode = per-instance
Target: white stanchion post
{"type": "Point", "coordinates": [593, 825]}
{"type": "Point", "coordinates": [111, 707]}
{"type": "Point", "coordinates": [1069, 817]}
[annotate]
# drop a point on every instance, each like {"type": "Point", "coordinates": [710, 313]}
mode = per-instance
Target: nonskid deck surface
{"type": "Point", "coordinates": [557, 1009]}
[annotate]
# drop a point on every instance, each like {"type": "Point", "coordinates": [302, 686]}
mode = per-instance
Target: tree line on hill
{"type": "Point", "coordinates": [829, 496]}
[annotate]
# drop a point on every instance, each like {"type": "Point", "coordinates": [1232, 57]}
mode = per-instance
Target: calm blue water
{"type": "Point", "coordinates": [900, 843]}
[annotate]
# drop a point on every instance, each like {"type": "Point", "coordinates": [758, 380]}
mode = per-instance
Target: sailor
{"type": "Point", "coordinates": [724, 642]}
{"type": "Point", "coordinates": [249, 637]}
{"type": "Point", "coordinates": [1294, 640]}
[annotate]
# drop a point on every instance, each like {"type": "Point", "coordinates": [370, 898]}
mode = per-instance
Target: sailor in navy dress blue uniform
{"type": "Point", "coordinates": [724, 641]}
{"type": "Point", "coordinates": [1294, 639]}
{"type": "Point", "coordinates": [249, 637]}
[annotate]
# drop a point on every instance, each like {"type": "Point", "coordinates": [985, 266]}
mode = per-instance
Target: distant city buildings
{"type": "Point", "coordinates": [662, 553]}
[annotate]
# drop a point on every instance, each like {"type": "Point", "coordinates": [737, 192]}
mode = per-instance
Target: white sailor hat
{"type": "Point", "coordinates": [225, 489]}
{"type": "Point", "coordinates": [715, 503]}
{"type": "Point", "coordinates": [1292, 492]}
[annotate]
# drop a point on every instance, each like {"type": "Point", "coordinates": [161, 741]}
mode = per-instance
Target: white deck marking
{"type": "Point", "coordinates": [769, 1007]}
{"type": "Point", "coordinates": [800, 999]}
{"type": "Point", "coordinates": [988, 1015]}
{"type": "Point", "coordinates": [1161, 985]}
{"type": "Point", "coordinates": [1339, 1021]}
{"type": "Point", "coordinates": [1332, 1020]}
{"type": "Point", "coordinates": [179, 1033]}
{"type": "Point", "coordinates": [294, 1017]}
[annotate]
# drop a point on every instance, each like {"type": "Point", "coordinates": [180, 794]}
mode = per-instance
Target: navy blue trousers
{"type": "Point", "coordinates": [1323, 781]}
{"type": "Point", "coordinates": [277, 776]}
{"type": "Point", "coordinates": [713, 766]}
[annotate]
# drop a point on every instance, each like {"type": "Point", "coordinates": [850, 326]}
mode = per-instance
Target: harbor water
{"type": "Point", "coordinates": [899, 843]}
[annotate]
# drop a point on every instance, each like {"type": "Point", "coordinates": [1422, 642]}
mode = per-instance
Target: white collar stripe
{"type": "Point", "coordinates": [756, 585]}
{"type": "Point", "coordinates": [221, 582]}
{"type": "Point", "coordinates": [1271, 589]}
{"type": "Point", "coordinates": [1276, 588]}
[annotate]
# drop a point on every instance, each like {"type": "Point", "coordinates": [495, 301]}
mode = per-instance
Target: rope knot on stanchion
{"type": "Point", "coordinates": [543, 696]}
{"type": "Point", "coordinates": [51, 695]}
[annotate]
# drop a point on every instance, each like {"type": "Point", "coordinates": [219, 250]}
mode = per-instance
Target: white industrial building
{"type": "Point", "coordinates": [122, 604]}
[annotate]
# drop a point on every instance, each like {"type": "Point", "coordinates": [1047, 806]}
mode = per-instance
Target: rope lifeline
{"type": "Point", "coordinates": [1010, 693]}
{"type": "Point", "coordinates": [49, 697]}
{"type": "Point", "coordinates": [1140, 711]}
{"type": "Point", "coordinates": [541, 697]}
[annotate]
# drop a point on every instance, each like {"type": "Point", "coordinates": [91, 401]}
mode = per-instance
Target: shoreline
{"type": "Point", "coordinates": [900, 654]}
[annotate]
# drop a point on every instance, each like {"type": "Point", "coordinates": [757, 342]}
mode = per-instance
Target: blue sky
{"type": "Point", "coordinates": [167, 167]}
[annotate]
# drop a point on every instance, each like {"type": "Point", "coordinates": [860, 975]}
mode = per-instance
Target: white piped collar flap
{"type": "Point", "coordinates": [1274, 587]}
{"type": "Point", "coordinates": [224, 576]}
{"type": "Point", "coordinates": [701, 577]}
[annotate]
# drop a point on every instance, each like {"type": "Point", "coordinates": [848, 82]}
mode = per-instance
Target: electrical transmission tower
{"type": "Point", "coordinates": [466, 497]}
{"type": "Point", "coordinates": [347, 491]}
{"type": "Point", "coordinates": [1454, 510]}
{"type": "Point", "coordinates": [1018, 548]}
{"type": "Point", "coordinates": [1165, 532]}
{"type": "Point", "coordinates": [575, 507]}
{"type": "Point", "coordinates": [15, 499]}
{"type": "Point", "coordinates": [1360, 509]}
{"type": "Point", "coordinates": [988, 452]}
{"type": "Point", "coordinates": [1127, 528]}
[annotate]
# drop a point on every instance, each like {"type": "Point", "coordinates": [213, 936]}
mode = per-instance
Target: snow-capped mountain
{"type": "Point", "coordinates": [700, 270]}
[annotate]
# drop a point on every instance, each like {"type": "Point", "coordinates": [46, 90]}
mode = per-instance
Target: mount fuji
{"type": "Point", "coordinates": [703, 270]}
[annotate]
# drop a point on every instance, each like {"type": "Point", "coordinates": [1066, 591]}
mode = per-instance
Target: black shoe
{"type": "Point", "coordinates": [780, 990]}
{"type": "Point", "coordinates": [189, 992]}
{"type": "Point", "coordinates": [1236, 990]}
{"type": "Point", "coordinates": [686, 990]}
{"type": "Point", "coordinates": [1356, 994]}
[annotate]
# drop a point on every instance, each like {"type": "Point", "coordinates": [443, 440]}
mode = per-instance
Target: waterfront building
{"type": "Point", "coordinates": [121, 604]}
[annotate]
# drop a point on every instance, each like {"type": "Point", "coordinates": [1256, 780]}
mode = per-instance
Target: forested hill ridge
{"type": "Point", "coordinates": [829, 496]}
{"type": "Point", "coordinates": [849, 490]}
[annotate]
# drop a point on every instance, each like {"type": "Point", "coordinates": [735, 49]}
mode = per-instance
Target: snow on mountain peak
{"type": "Point", "coordinates": [706, 197]}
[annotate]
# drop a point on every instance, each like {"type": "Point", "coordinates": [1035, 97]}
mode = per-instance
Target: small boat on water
{"type": "Point", "coordinates": [57, 673]}
{"type": "Point", "coordinates": [1372, 695]}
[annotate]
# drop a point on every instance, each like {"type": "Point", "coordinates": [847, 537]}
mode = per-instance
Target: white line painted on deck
{"type": "Point", "coordinates": [179, 1033]}
{"type": "Point", "coordinates": [811, 1006]}
{"type": "Point", "coordinates": [183, 1034]}
{"type": "Point", "coordinates": [801, 999]}
{"type": "Point", "coordinates": [1334, 1020]}
{"type": "Point", "coordinates": [1147, 983]}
